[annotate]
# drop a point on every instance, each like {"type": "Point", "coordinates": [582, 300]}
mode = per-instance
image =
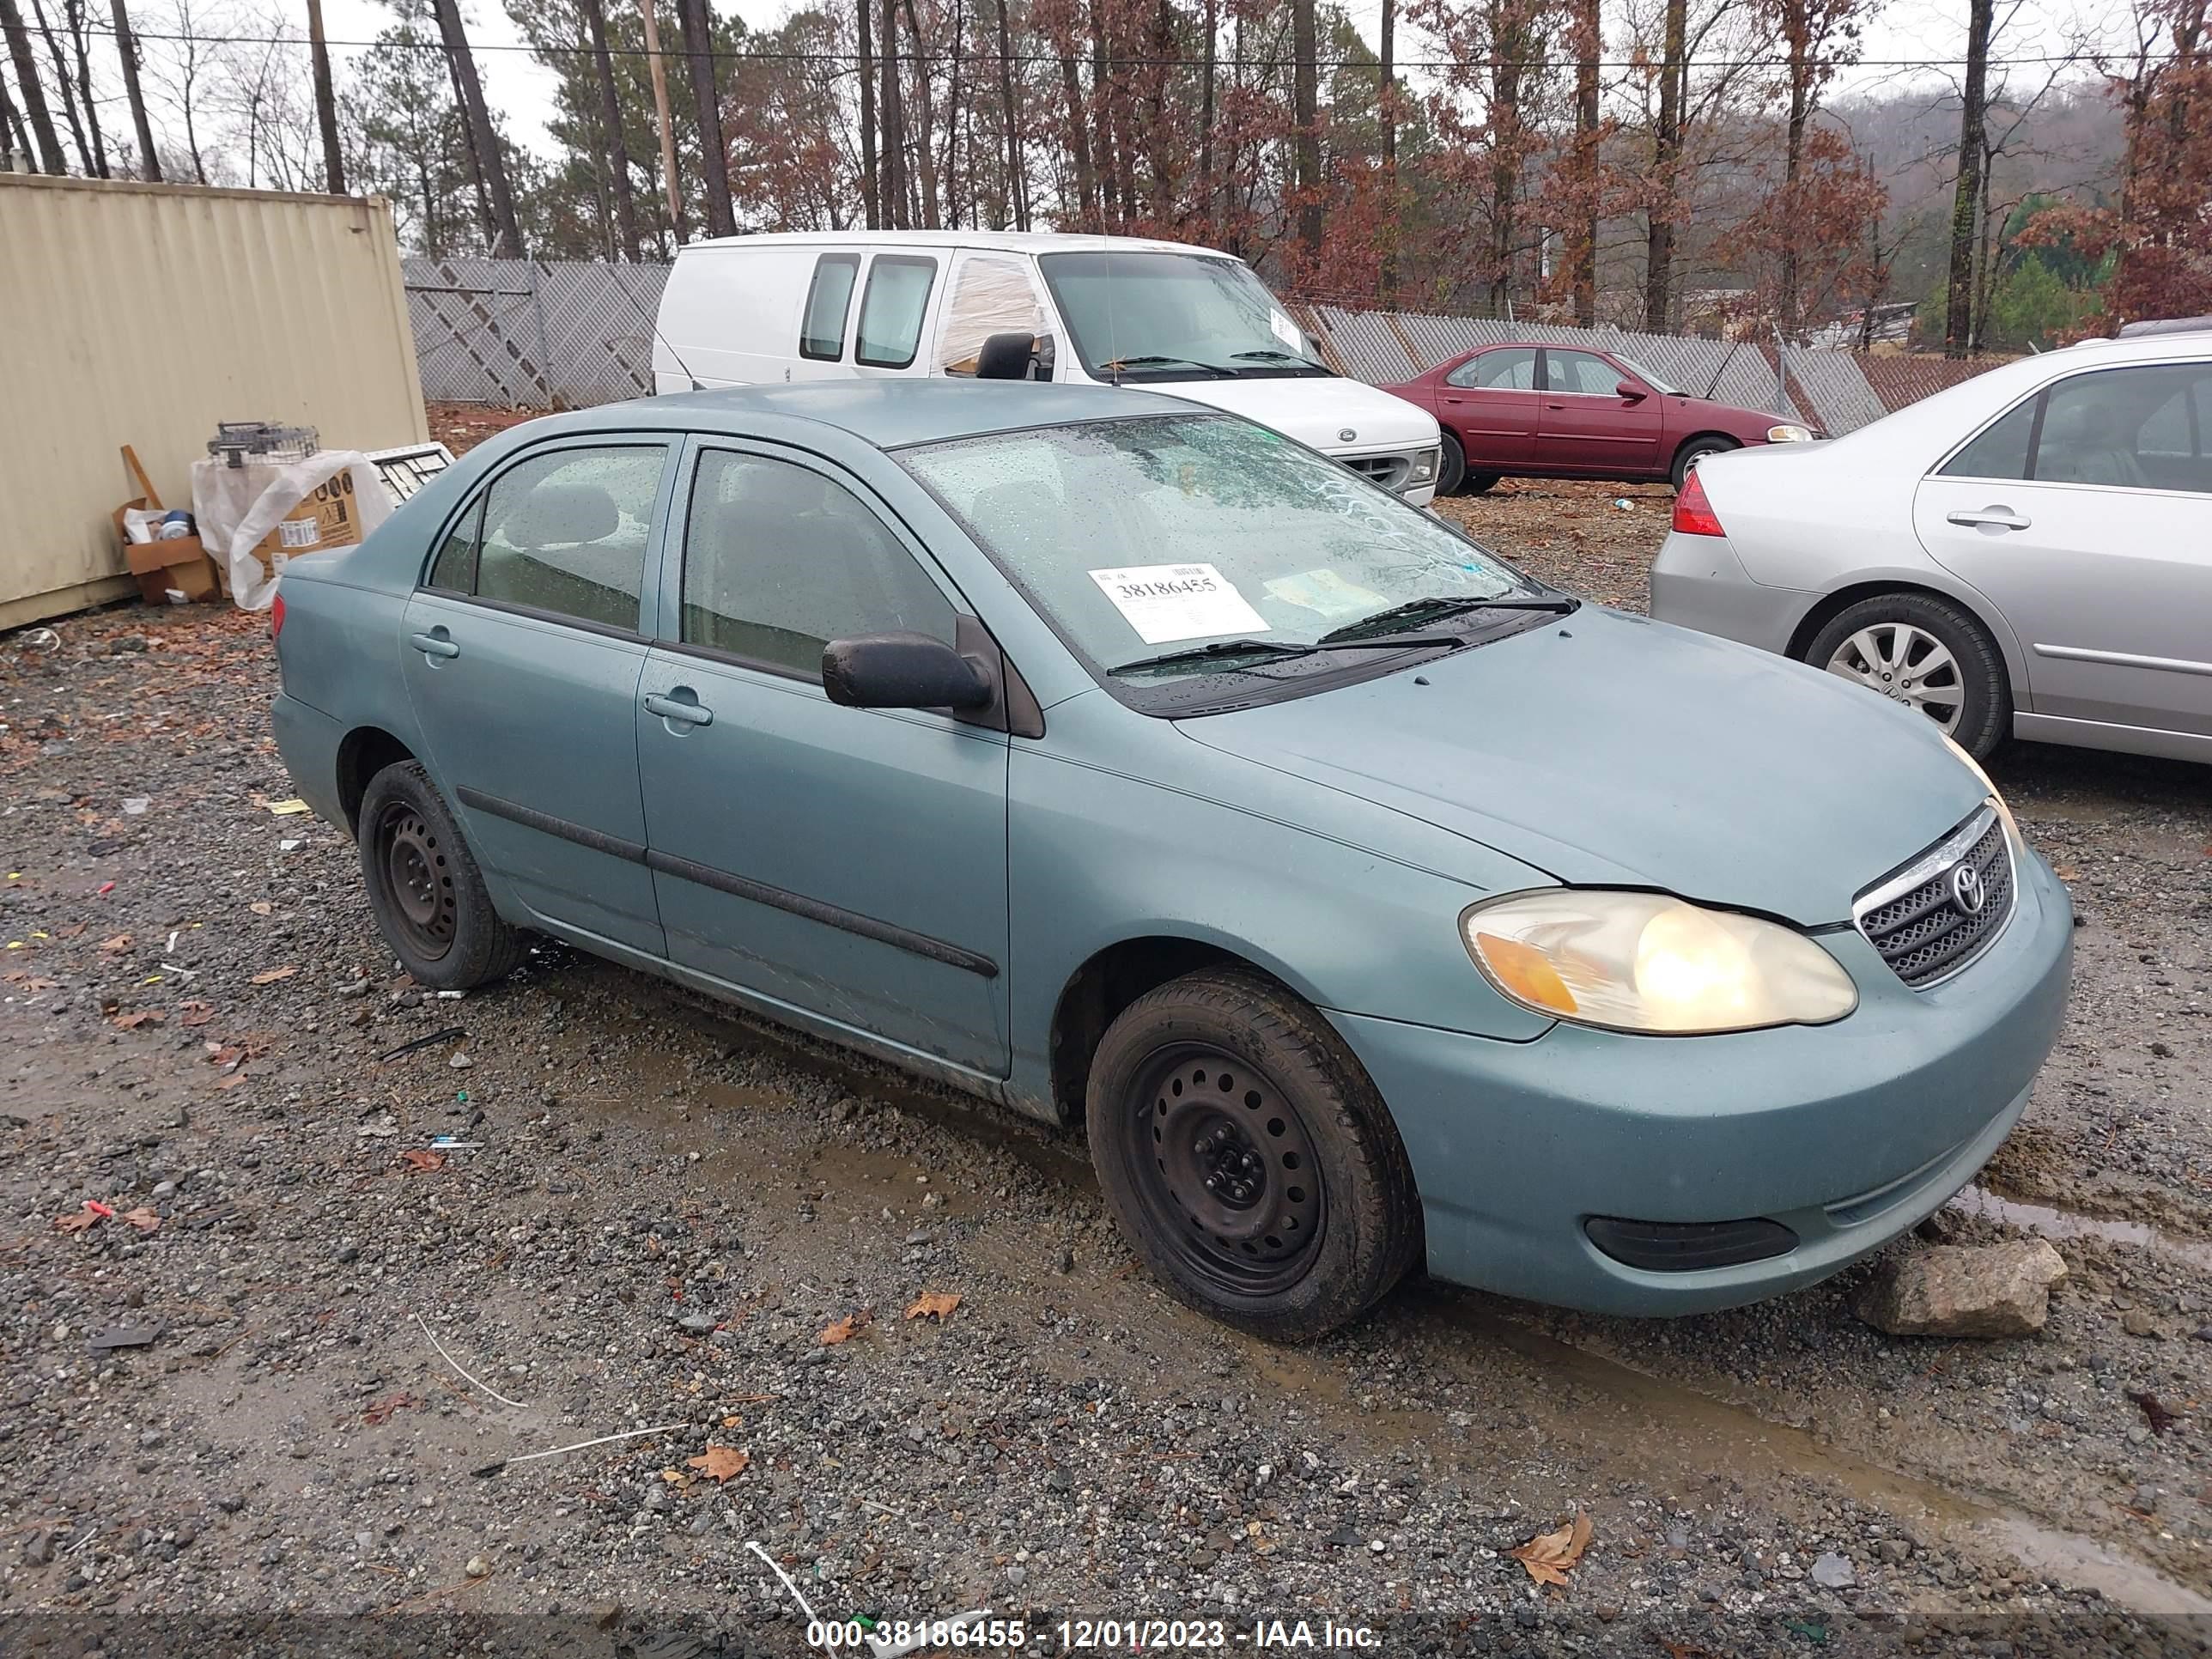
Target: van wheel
{"type": "Point", "coordinates": [1927, 653]}
{"type": "Point", "coordinates": [424, 888]}
{"type": "Point", "coordinates": [1246, 1158]}
{"type": "Point", "coordinates": [1451, 470]}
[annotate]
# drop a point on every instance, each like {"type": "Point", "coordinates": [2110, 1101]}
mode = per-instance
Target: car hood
{"type": "Point", "coordinates": [1317, 411]}
{"type": "Point", "coordinates": [1608, 750]}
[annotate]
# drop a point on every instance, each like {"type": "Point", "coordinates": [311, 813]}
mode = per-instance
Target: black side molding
{"type": "Point", "coordinates": [830, 915]}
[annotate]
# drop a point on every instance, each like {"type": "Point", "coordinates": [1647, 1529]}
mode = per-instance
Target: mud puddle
{"type": "Point", "coordinates": [2050, 1222]}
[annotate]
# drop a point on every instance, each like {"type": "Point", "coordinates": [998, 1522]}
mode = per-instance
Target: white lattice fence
{"type": "Point", "coordinates": [531, 333]}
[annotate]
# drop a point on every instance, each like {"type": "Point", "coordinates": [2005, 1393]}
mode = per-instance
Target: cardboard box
{"type": "Point", "coordinates": [179, 564]}
{"type": "Point", "coordinates": [328, 519]}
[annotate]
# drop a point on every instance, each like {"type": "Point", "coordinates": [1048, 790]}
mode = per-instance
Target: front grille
{"type": "Point", "coordinates": [1390, 472]}
{"type": "Point", "coordinates": [1921, 919]}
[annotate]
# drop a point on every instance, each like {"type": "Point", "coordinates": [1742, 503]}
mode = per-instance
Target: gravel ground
{"type": "Point", "coordinates": [661, 1215]}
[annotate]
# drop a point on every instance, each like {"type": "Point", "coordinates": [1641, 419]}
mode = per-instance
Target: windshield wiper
{"type": "Point", "coordinates": [1214, 369]}
{"type": "Point", "coordinates": [1270, 354]}
{"type": "Point", "coordinates": [1281, 649]}
{"type": "Point", "coordinates": [1436, 610]}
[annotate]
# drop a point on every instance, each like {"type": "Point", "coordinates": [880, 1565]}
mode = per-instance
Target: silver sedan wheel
{"type": "Point", "coordinates": [1906, 665]}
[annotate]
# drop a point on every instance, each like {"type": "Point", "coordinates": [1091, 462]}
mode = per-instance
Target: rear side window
{"type": "Point", "coordinates": [2000, 450]}
{"type": "Point", "coordinates": [778, 560]}
{"type": "Point", "coordinates": [891, 310]}
{"type": "Point", "coordinates": [454, 569]}
{"type": "Point", "coordinates": [1513, 369]}
{"type": "Point", "coordinates": [829, 301]}
{"type": "Point", "coordinates": [565, 532]}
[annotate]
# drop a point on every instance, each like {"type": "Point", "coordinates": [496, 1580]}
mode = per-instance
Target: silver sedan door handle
{"type": "Point", "coordinates": [435, 644]}
{"type": "Point", "coordinates": [1990, 518]}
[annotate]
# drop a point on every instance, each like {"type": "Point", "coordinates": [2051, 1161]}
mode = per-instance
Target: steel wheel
{"type": "Point", "coordinates": [1906, 665]}
{"type": "Point", "coordinates": [416, 877]}
{"type": "Point", "coordinates": [1226, 1168]}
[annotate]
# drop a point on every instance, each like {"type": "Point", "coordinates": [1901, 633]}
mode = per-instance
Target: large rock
{"type": "Point", "coordinates": [1989, 1290]}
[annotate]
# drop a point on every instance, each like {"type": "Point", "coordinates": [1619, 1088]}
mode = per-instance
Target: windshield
{"type": "Point", "coordinates": [1147, 541]}
{"type": "Point", "coordinates": [1174, 317]}
{"type": "Point", "coordinates": [1657, 382]}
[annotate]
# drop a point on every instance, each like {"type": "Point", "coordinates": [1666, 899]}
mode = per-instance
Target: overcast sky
{"type": "Point", "coordinates": [1906, 36]}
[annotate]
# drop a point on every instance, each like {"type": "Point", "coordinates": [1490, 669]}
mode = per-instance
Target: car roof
{"type": "Point", "coordinates": [1009, 242]}
{"type": "Point", "coordinates": [887, 414]}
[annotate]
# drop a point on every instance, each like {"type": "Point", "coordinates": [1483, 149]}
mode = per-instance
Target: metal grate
{"type": "Point", "coordinates": [1389, 470]}
{"type": "Point", "coordinates": [1932, 918]}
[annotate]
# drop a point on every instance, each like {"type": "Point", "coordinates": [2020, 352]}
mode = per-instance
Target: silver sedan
{"type": "Point", "coordinates": [2028, 553]}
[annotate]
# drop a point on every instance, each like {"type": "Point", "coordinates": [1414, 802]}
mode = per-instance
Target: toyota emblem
{"type": "Point", "coordinates": [1967, 890]}
{"type": "Point", "coordinates": [1347, 436]}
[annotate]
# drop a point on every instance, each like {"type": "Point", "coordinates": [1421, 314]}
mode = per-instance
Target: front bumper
{"type": "Point", "coordinates": [1847, 1133]}
{"type": "Point", "coordinates": [1698, 581]}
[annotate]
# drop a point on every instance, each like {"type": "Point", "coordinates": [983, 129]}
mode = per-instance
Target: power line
{"type": "Point", "coordinates": [851, 59]}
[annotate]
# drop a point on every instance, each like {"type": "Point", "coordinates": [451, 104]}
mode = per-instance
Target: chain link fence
{"type": "Point", "coordinates": [548, 334]}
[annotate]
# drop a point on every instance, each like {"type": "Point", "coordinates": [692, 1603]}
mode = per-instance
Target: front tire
{"type": "Point", "coordinates": [1928, 654]}
{"type": "Point", "coordinates": [424, 888]}
{"type": "Point", "coordinates": [1246, 1158]}
{"type": "Point", "coordinates": [1695, 451]}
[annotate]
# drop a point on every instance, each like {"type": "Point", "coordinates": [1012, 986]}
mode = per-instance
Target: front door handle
{"type": "Point", "coordinates": [1990, 518]}
{"type": "Point", "coordinates": [435, 643]}
{"type": "Point", "coordinates": [681, 705]}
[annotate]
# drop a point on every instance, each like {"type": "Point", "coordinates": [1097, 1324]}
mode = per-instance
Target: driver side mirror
{"type": "Point", "coordinates": [904, 670]}
{"type": "Point", "coordinates": [1630, 392]}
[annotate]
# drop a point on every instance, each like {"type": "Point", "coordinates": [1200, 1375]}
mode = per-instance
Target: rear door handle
{"type": "Point", "coordinates": [1990, 518]}
{"type": "Point", "coordinates": [436, 643]}
{"type": "Point", "coordinates": [681, 705]}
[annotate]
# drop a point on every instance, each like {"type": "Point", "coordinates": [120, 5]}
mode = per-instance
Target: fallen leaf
{"type": "Point", "coordinates": [2065, 872]}
{"type": "Point", "coordinates": [144, 1219]}
{"type": "Point", "coordinates": [382, 1410]}
{"type": "Point", "coordinates": [719, 1462]}
{"type": "Point", "coordinates": [233, 1080]}
{"type": "Point", "coordinates": [422, 1162]}
{"type": "Point", "coordinates": [75, 928]}
{"type": "Point", "coordinates": [195, 1012]}
{"type": "Point", "coordinates": [2154, 1412]}
{"type": "Point", "coordinates": [1549, 1556]}
{"type": "Point", "coordinates": [273, 976]}
{"type": "Point", "coordinates": [933, 1304]}
{"type": "Point", "coordinates": [77, 1221]}
{"type": "Point", "coordinates": [261, 907]}
{"type": "Point", "coordinates": [114, 944]}
{"type": "Point", "coordinates": [143, 1017]}
{"type": "Point", "coordinates": [847, 1328]}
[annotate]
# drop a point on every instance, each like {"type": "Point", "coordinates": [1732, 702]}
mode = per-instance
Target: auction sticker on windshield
{"type": "Point", "coordinates": [1168, 601]}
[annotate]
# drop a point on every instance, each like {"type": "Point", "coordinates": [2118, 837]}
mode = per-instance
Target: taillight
{"type": "Point", "coordinates": [1693, 514]}
{"type": "Point", "coordinates": [276, 604]}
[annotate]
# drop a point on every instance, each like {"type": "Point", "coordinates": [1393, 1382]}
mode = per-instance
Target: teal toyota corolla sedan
{"type": "Point", "coordinates": [1365, 901]}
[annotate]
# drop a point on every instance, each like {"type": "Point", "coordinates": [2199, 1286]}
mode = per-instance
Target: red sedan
{"type": "Point", "coordinates": [1547, 411]}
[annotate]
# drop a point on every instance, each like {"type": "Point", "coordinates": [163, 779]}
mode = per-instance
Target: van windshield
{"type": "Point", "coordinates": [1150, 317]}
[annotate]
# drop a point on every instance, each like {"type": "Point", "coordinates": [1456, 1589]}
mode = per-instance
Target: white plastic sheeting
{"type": "Point", "coordinates": [237, 505]}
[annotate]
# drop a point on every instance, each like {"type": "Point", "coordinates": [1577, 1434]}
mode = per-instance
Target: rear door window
{"type": "Point", "coordinates": [1513, 369]}
{"type": "Point", "coordinates": [892, 307]}
{"type": "Point", "coordinates": [565, 533]}
{"type": "Point", "coordinates": [829, 301]}
{"type": "Point", "coordinates": [2000, 449]}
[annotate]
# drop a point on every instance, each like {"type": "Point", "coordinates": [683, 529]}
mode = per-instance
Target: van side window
{"type": "Point", "coordinates": [991, 295]}
{"type": "Point", "coordinates": [891, 310]}
{"type": "Point", "coordinates": [829, 299]}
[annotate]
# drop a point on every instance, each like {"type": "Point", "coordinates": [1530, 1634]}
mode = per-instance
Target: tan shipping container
{"type": "Point", "coordinates": [145, 314]}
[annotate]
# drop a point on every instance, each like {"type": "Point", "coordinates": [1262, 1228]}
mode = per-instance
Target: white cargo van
{"type": "Point", "coordinates": [1109, 310]}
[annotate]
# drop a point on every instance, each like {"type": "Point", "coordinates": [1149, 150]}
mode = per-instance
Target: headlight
{"type": "Point", "coordinates": [1425, 468]}
{"type": "Point", "coordinates": [1644, 961]}
{"type": "Point", "coordinates": [1996, 800]}
{"type": "Point", "coordinates": [1790, 432]}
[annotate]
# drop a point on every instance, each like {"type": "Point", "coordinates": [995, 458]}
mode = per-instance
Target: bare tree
{"type": "Point", "coordinates": [611, 122]}
{"type": "Point", "coordinates": [126, 50]}
{"type": "Point", "coordinates": [1305, 117]}
{"type": "Point", "coordinates": [871, 181]}
{"type": "Point", "coordinates": [67, 86]}
{"type": "Point", "coordinates": [1018, 189]}
{"type": "Point", "coordinates": [483, 141]}
{"type": "Point", "coordinates": [326, 103]}
{"type": "Point", "coordinates": [1665, 182]}
{"type": "Point", "coordinates": [1587, 35]}
{"type": "Point", "coordinates": [181, 73]}
{"type": "Point", "coordinates": [695, 21]}
{"type": "Point", "coordinates": [894, 185]}
{"type": "Point", "coordinates": [35, 112]}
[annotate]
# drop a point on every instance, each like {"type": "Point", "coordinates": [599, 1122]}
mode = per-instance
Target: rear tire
{"type": "Point", "coordinates": [1925, 653]}
{"type": "Point", "coordinates": [1695, 451]}
{"type": "Point", "coordinates": [1479, 484]}
{"type": "Point", "coordinates": [1451, 469]}
{"type": "Point", "coordinates": [424, 888]}
{"type": "Point", "coordinates": [1248, 1159]}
